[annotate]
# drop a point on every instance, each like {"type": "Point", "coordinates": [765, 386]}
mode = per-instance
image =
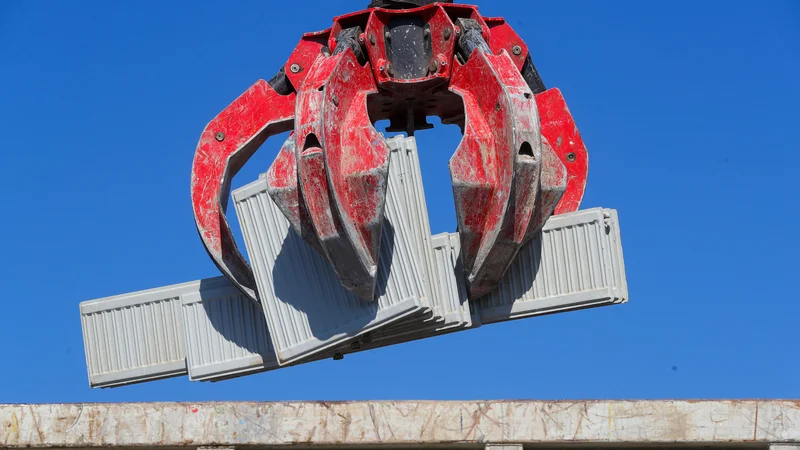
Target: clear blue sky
{"type": "Point", "coordinates": [689, 110]}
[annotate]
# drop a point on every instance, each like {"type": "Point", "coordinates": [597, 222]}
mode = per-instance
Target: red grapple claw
{"type": "Point", "coordinates": [225, 145]}
{"type": "Point", "coordinates": [496, 170]}
{"type": "Point", "coordinates": [342, 170]}
{"type": "Point", "coordinates": [285, 192]}
{"type": "Point", "coordinates": [521, 160]}
{"type": "Point", "coordinates": [558, 127]}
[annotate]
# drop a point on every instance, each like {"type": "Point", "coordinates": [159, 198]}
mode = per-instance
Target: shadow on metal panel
{"type": "Point", "coordinates": [305, 296]}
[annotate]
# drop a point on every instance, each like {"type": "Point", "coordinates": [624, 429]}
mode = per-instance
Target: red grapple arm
{"type": "Point", "coordinates": [556, 123]}
{"type": "Point", "coordinates": [331, 184]}
{"type": "Point", "coordinates": [226, 144]}
{"type": "Point", "coordinates": [521, 160]}
{"type": "Point", "coordinates": [506, 181]}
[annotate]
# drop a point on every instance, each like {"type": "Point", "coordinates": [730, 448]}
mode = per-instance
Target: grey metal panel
{"type": "Point", "coordinates": [406, 176]}
{"type": "Point", "coordinates": [308, 311]}
{"type": "Point", "coordinates": [452, 288]}
{"type": "Point", "coordinates": [451, 304]}
{"type": "Point", "coordinates": [576, 262]}
{"type": "Point", "coordinates": [449, 301]}
{"type": "Point", "coordinates": [617, 260]}
{"type": "Point", "coordinates": [134, 337]}
{"type": "Point", "coordinates": [226, 334]}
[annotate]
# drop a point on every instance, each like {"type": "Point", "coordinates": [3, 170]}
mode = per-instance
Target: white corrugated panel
{"type": "Point", "coordinates": [451, 305]}
{"type": "Point", "coordinates": [134, 337]}
{"type": "Point", "coordinates": [449, 300]}
{"type": "Point", "coordinates": [576, 262]}
{"type": "Point", "coordinates": [308, 311]}
{"type": "Point", "coordinates": [453, 290]}
{"type": "Point", "coordinates": [448, 311]}
{"type": "Point", "coordinates": [226, 333]}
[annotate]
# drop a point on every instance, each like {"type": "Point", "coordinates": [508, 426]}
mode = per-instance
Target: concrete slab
{"type": "Point", "coordinates": [754, 424]}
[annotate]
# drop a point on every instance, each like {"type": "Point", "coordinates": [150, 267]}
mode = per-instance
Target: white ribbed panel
{"type": "Point", "coordinates": [575, 263]}
{"type": "Point", "coordinates": [453, 290]}
{"type": "Point", "coordinates": [405, 173]}
{"type": "Point", "coordinates": [134, 337]}
{"type": "Point", "coordinates": [226, 335]}
{"type": "Point", "coordinates": [617, 260]}
{"type": "Point", "coordinates": [307, 309]}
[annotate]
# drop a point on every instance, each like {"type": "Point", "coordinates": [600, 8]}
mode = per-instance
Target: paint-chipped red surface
{"type": "Point", "coordinates": [521, 158]}
{"type": "Point", "coordinates": [242, 127]}
{"type": "Point", "coordinates": [560, 130]}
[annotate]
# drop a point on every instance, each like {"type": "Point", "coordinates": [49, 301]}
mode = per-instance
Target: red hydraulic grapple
{"type": "Point", "coordinates": [520, 161]}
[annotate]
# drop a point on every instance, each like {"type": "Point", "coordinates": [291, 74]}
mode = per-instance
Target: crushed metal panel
{"type": "Point", "coordinates": [452, 298]}
{"type": "Point", "coordinates": [575, 262]}
{"type": "Point", "coordinates": [306, 307]}
{"type": "Point", "coordinates": [449, 300]}
{"type": "Point", "coordinates": [406, 176]}
{"type": "Point", "coordinates": [449, 311]}
{"type": "Point", "coordinates": [308, 311]}
{"type": "Point", "coordinates": [452, 288]}
{"type": "Point", "coordinates": [226, 333]}
{"type": "Point", "coordinates": [135, 337]}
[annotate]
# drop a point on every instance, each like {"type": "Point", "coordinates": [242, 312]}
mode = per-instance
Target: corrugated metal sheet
{"type": "Point", "coordinates": [309, 315]}
{"type": "Point", "coordinates": [134, 337]}
{"type": "Point", "coordinates": [137, 337]}
{"type": "Point", "coordinates": [226, 333]}
{"type": "Point", "coordinates": [453, 290]}
{"type": "Point", "coordinates": [575, 263]}
{"type": "Point", "coordinates": [437, 264]}
{"type": "Point", "coordinates": [451, 308]}
{"type": "Point", "coordinates": [406, 176]}
{"type": "Point", "coordinates": [206, 329]}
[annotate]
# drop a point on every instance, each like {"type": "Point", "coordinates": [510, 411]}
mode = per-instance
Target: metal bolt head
{"type": "Point", "coordinates": [447, 33]}
{"type": "Point", "coordinates": [458, 31]}
{"type": "Point", "coordinates": [382, 69]}
{"type": "Point", "coordinates": [295, 68]}
{"type": "Point", "coordinates": [433, 67]}
{"type": "Point", "coordinates": [517, 50]}
{"type": "Point", "coordinates": [372, 39]}
{"type": "Point", "coordinates": [361, 39]}
{"type": "Point", "coordinates": [220, 136]}
{"type": "Point", "coordinates": [443, 63]}
{"type": "Point", "coordinates": [571, 156]}
{"type": "Point", "coordinates": [387, 36]}
{"type": "Point", "coordinates": [338, 356]}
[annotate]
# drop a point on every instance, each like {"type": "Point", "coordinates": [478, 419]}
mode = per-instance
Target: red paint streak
{"type": "Point", "coordinates": [558, 127]}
